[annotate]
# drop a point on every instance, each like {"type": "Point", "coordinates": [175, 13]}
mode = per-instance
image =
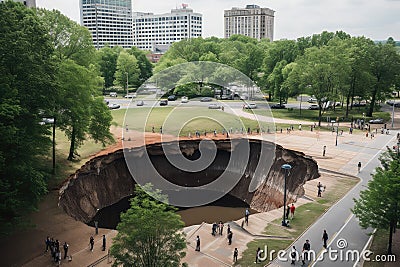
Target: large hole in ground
{"type": "Point", "coordinates": [227, 208]}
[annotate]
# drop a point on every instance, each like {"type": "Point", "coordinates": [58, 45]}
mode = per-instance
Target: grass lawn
{"type": "Point", "coordinates": [305, 216]}
{"type": "Point", "coordinates": [248, 258]}
{"type": "Point", "coordinates": [181, 121]}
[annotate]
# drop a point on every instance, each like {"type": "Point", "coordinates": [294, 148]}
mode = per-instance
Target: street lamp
{"type": "Point", "coordinates": [287, 168]}
{"type": "Point", "coordinates": [127, 92]}
{"type": "Point", "coordinates": [337, 130]}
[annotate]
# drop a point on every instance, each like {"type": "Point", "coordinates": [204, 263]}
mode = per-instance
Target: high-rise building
{"type": "Point", "coordinates": [252, 21]}
{"type": "Point", "coordinates": [29, 3]}
{"type": "Point", "coordinates": [150, 30]}
{"type": "Point", "coordinates": [109, 22]}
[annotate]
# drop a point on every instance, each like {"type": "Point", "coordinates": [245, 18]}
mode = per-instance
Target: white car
{"type": "Point", "coordinates": [130, 95]}
{"type": "Point", "coordinates": [184, 99]}
{"type": "Point", "coordinates": [250, 106]}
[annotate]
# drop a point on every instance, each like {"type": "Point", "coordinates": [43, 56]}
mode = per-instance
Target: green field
{"type": "Point", "coordinates": [181, 121]}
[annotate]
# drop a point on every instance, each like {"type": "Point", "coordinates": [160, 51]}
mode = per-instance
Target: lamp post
{"type": "Point", "coordinates": [287, 168]}
{"type": "Point", "coordinates": [127, 92]}
{"type": "Point", "coordinates": [337, 131]}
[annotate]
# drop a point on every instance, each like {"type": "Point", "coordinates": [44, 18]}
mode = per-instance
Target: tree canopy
{"type": "Point", "coordinates": [149, 233]}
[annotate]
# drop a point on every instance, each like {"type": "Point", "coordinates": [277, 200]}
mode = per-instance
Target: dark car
{"type": "Point", "coordinates": [278, 106]}
{"type": "Point", "coordinates": [397, 105]}
{"type": "Point", "coordinates": [172, 98]}
{"type": "Point", "coordinates": [376, 121]}
{"type": "Point", "coordinates": [163, 102]}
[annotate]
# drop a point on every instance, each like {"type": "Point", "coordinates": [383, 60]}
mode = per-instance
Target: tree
{"type": "Point", "coordinates": [107, 61]}
{"type": "Point", "coordinates": [81, 113]}
{"type": "Point", "coordinates": [150, 233]}
{"type": "Point", "coordinates": [145, 66]}
{"type": "Point", "coordinates": [27, 93]}
{"type": "Point", "coordinates": [385, 66]}
{"type": "Point", "coordinates": [71, 40]}
{"type": "Point", "coordinates": [127, 68]}
{"type": "Point", "coordinates": [378, 205]}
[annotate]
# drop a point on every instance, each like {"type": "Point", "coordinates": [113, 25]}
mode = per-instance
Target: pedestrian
{"type": "Point", "coordinates": [292, 209]}
{"type": "Point", "coordinates": [229, 229]}
{"type": "Point", "coordinates": [214, 228]}
{"type": "Point", "coordinates": [152, 129]}
{"type": "Point", "coordinates": [58, 258]}
{"type": "Point", "coordinates": [306, 250]}
{"type": "Point", "coordinates": [293, 255]}
{"type": "Point", "coordinates": [359, 166]}
{"type": "Point", "coordinates": [325, 238]}
{"type": "Point", "coordinates": [91, 243]}
{"type": "Point", "coordinates": [319, 186]}
{"type": "Point", "coordinates": [246, 216]}
{"type": "Point", "coordinates": [48, 243]}
{"type": "Point", "coordinates": [287, 212]}
{"type": "Point", "coordinates": [230, 235]}
{"type": "Point", "coordinates": [324, 151]}
{"type": "Point", "coordinates": [104, 242]}
{"type": "Point", "coordinates": [221, 227]}
{"type": "Point", "coordinates": [258, 255]}
{"type": "Point", "coordinates": [65, 249]}
{"type": "Point", "coordinates": [235, 255]}
{"type": "Point", "coordinates": [197, 243]}
{"type": "Point", "coordinates": [96, 225]}
{"type": "Point", "coordinates": [300, 127]}
{"type": "Point", "coordinates": [161, 130]}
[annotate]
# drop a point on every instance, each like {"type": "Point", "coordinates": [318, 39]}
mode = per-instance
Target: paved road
{"type": "Point", "coordinates": [341, 225]}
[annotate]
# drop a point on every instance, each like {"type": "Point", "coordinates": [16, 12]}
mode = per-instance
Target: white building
{"type": "Point", "coordinates": [29, 3]}
{"type": "Point", "coordinates": [150, 30]}
{"type": "Point", "coordinates": [251, 21]}
{"type": "Point", "coordinates": [109, 21]}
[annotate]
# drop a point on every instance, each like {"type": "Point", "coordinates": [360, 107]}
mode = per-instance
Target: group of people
{"type": "Point", "coordinates": [218, 228]}
{"type": "Point", "coordinates": [321, 188]}
{"type": "Point", "coordinates": [305, 254]}
{"type": "Point", "coordinates": [54, 247]}
{"type": "Point", "coordinates": [290, 210]}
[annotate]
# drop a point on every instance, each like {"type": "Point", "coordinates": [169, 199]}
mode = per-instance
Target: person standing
{"type": "Point", "coordinates": [228, 230]}
{"type": "Point", "coordinates": [230, 235]}
{"type": "Point", "coordinates": [91, 243]}
{"type": "Point", "coordinates": [287, 212]}
{"type": "Point", "coordinates": [235, 255]}
{"type": "Point", "coordinates": [96, 225]}
{"type": "Point", "coordinates": [221, 227]}
{"type": "Point", "coordinates": [319, 186]}
{"type": "Point", "coordinates": [246, 216]}
{"type": "Point", "coordinates": [292, 209]}
{"type": "Point", "coordinates": [65, 249]}
{"type": "Point", "coordinates": [325, 238]}
{"type": "Point", "coordinates": [324, 151]}
{"type": "Point", "coordinates": [306, 250]}
{"type": "Point", "coordinates": [48, 243]}
{"type": "Point", "coordinates": [104, 242]}
{"type": "Point", "coordinates": [359, 166]}
{"type": "Point", "coordinates": [293, 255]}
{"type": "Point", "coordinates": [197, 243]}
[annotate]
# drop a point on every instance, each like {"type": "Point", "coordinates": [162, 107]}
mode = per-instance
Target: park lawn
{"type": "Point", "coordinates": [305, 216]}
{"type": "Point", "coordinates": [249, 256]}
{"type": "Point", "coordinates": [185, 120]}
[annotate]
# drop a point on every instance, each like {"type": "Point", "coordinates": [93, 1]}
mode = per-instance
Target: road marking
{"type": "Point", "coordinates": [365, 247]}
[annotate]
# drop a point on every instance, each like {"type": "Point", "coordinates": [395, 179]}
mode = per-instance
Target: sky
{"type": "Point", "coordinates": [375, 19]}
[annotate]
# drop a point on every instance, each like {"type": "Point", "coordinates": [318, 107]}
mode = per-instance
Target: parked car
{"type": "Point", "coordinates": [376, 121]}
{"type": "Point", "coordinates": [278, 106]}
{"type": "Point", "coordinates": [113, 106]}
{"type": "Point", "coordinates": [172, 98]}
{"type": "Point", "coordinates": [164, 102]}
{"type": "Point", "coordinates": [312, 100]}
{"type": "Point", "coordinates": [313, 107]}
{"type": "Point", "coordinates": [113, 94]}
{"type": "Point", "coordinates": [206, 99]}
{"type": "Point", "coordinates": [139, 103]}
{"type": "Point", "coordinates": [214, 106]}
{"type": "Point", "coordinates": [397, 105]}
{"type": "Point", "coordinates": [250, 106]}
{"type": "Point", "coordinates": [184, 99]}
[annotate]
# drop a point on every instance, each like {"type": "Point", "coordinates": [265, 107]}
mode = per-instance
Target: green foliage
{"type": "Point", "coordinates": [145, 66]}
{"type": "Point", "coordinates": [107, 61]}
{"type": "Point", "coordinates": [149, 233]}
{"type": "Point", "coordinates": [27, 92]}
{"type": "Point", "coordinates": [378, 205]}
{"type": "Point", "coordinates": [127, 70]}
